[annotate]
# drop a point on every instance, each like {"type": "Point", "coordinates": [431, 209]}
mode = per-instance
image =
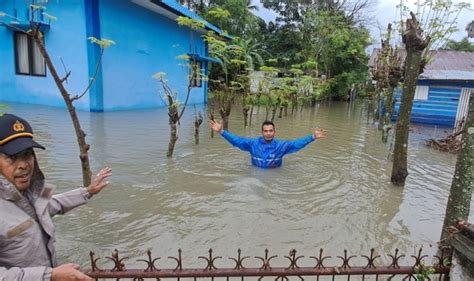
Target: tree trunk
{"type": "Point", "coordinates": [80, 134]}
{"type": "Point", "coordinates": [173, 138]}
{"type": "Point", "coordinates": [245, 111]}
{"type": "Point", "coordinates": [274, 110]}
{"type": "Point", "coordinates": [225, 113]}
{"type": "Point", "coordinates": [250, 117]}
{"type": "Point", "coordinates": [414, 45]}
{"type": "Point", "coordinates": [173, 122]}
{"type": "Point", "coordinates": [212, 119]}
{"type": "Point", "coordinates": [197, 123]}
{"type": "Point", "coordinates": [280, 114]}
{"type": "Point", "coordinates": [387, 118]}
{"type": "Point", "coordinates": [461, 187]}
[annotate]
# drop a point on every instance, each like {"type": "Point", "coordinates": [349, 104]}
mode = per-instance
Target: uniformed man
{"type": "Point", "coordinates": [27, 204]}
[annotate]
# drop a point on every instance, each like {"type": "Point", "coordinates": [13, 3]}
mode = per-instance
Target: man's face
{"type": "Point", "coordinates": [18, 168]}
{"type": "Point", "coordinates": [268, 132]}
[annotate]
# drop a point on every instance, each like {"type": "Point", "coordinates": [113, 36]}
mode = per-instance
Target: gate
{"type": "Point", "coordinates": [320, 270]}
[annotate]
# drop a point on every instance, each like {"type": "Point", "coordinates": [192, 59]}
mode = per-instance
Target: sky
{"type": "Point", "coordinates": [385, 12]}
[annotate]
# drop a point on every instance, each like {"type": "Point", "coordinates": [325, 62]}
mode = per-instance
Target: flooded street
{"type": "Point", "coordinates": [335, 193]}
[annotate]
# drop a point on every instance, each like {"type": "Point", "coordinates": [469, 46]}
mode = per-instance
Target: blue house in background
{"type": "Point", "coordinates": [148, 40]}
{"type": "Point", "coordinates": [443, 89]}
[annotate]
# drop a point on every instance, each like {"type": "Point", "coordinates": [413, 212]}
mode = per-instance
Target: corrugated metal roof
{"type": "Point", "coordinates": [447, 75]}
{"type": "Point", "coordinates": [443, 65]}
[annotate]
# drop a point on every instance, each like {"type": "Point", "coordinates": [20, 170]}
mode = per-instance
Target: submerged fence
{"type": "Point", "coordinates": [417, 269]}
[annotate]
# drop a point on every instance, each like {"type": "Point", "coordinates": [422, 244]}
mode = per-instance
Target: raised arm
{"type": "Point", "coordinates": [297, 144]}
{"type": "Point", "coordinates": [242, 143]}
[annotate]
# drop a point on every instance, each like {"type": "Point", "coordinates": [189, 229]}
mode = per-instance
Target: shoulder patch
{"type": "Point", "coordinates": [19, 229]}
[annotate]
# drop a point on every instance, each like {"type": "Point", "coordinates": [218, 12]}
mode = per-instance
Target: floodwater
{"type": "Point", "coordinates": [335, 194]}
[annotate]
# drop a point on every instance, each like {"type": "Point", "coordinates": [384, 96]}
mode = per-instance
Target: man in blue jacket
{"type": "Point", "coordinates": [266, 151]}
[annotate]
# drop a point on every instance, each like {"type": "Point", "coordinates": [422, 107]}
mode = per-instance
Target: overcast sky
{"type": "Point", "coordinates": [385, 12]}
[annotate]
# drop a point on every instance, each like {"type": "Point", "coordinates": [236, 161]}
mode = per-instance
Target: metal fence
{"type": "Point", "coordinates": [371, 270]}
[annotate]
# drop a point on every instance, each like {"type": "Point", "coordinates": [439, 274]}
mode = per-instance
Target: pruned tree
{"type": "Point", "coordinates": [415, 43]}
{"type": "Point", "coordinates": [387, 72]}
{"type": "Point", "coordinates": [175, 109]}
{"type": "Point", "coordinates": [170, 97]}
{"type": "Point", "coordinates": [463, 180]}
{"type": "Point", "coordinates": [34, 30]}
{"type": "Point", "coordinates": [428, 28]}
{"type": "Point", "coordinates": [198, 119]}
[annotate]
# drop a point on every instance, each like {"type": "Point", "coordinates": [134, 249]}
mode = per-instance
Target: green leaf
{"type": "Point", "coordinates": [159, 75]}
{"type": "Point", "coordinates": [183, 57]}
{"type": "Point", "coordinates": [103, 43]}
{"type": "Point", "coordinates": [50, 17]}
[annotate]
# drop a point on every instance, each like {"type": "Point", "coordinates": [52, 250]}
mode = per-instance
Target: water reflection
{"type": "Point", "coordinates": [335, 193]}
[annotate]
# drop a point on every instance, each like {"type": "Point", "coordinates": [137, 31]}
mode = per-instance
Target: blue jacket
{"type": "Point", "coordinates": [267, 155]}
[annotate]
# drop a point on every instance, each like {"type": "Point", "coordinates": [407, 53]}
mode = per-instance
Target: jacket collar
{"type": "Point", "coordinates": [262, 141]}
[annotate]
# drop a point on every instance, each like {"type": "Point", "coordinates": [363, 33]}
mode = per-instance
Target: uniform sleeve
{"type": "Point", "coordinates": [64, 202]}
{"type": "Point", "coordinates": [242, 143]}
{"type": "Point", "coordinates": [297, 144]}
{"type": "Point", "coordinates": [39, 273]}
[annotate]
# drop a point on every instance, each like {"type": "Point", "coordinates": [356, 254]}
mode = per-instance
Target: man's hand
{"type": "Point", "coordinates": [319, 133]}
{"type": "Point", "coordinates": [100, 181]}
{"type": "Point", "coordinates": [69, 271]}
{"type": "Point", "coordinates": [216, 126]}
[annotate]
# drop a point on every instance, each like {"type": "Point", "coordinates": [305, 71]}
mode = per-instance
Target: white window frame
{"type": "Point", "coordinates": [28, 59]}
{"type": "Point", "coordinates": [421, 92]}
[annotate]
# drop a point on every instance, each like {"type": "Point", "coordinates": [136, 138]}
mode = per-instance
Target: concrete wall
{"type": "Point", "coordinates": [146, 43]}
{"type": "Point", "coordinates": [66, 39]}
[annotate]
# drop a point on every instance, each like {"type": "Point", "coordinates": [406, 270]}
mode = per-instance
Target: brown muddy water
{"type": "Point", "coordinates": [335, 194]}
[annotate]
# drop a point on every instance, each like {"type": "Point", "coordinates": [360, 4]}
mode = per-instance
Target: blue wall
{"type": "Point", "coordinates": [439, 109]}
{"type": "Point", "coordinates": [146, 43]}
{"type": "Point", "coordinates": [65, 39]}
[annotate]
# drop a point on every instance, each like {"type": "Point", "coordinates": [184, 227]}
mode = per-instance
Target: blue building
{"type": "Point", "coordinates": [148, 40]}
{"type": "Point", "coordinates": [443, 89]}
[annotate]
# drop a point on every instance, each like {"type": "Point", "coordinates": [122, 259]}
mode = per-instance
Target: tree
{"type": "Point", "coordinates": [387, 73]}
{"type": "Point", "coordinates": [415, 43]}
{"type": "Point", "coordinates": [175, 109]}
{"type": "Point", "coordinates": [463, 45]}
{"type": "Point", "coordinates": [461, 187]}
{"type": "Point", "coordinates": [35, 32]}
{"type": "Point", "coordinates": [418, 35]}
{"type": "Point", "coordinates": [292, 11]}
{"type": "Point", "coordinates": [230, 77]}
{"type": "Point", "coordinates": [338, 49]}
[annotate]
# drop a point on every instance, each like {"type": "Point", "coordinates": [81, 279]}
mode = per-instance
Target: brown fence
{"type": "Point", "coordinates": [418, 270]}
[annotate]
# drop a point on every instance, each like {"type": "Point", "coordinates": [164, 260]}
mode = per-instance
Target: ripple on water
{"type": "Point", "coordinates": [335, 193]}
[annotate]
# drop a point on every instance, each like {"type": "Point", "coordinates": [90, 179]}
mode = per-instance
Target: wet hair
{"type": "Point", "coordinates": [266, 123]}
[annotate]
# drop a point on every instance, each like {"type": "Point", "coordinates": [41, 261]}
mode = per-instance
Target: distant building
{"type": "Point", "coordinates": [148, 40]}
{"type": "Point", "coordinates": [443, 89]}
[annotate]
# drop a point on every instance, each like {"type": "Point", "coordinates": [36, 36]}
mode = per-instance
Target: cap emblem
{"type": "Point", "coordinates": [18, 126]}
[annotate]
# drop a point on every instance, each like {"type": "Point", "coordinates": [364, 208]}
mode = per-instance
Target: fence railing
{"type": "Point", "coordinates": [416, 271]}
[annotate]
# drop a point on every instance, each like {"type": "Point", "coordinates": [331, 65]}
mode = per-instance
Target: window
{"type": "Point", "coordinates": [421, 92]}
{"type": "Point", "coordinates": [28, 58]}
{"type": "Point", "coordinates": [197, 74]}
